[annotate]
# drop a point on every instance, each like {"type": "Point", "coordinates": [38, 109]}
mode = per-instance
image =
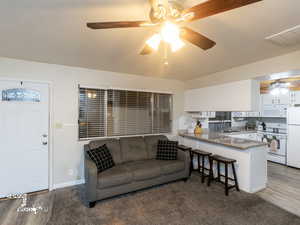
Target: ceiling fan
{"type": "Point", "coordinates": [168, 15]}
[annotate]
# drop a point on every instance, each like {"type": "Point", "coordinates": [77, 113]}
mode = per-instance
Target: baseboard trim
{"type": "Point", "coordinates": [258, 189]}
{"type": "Point", "coordinates": [68, 184]}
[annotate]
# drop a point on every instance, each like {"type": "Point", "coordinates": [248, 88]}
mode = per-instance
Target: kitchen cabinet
{"type": "Point", "coordinates": [203, 114]}
{"type": "Point", "coordinates": [269, 99]}
{"type": "Point", "coordinates": [246, 114]}
{"type": "Point", "coordinates": [235, 96]}
{"type": "Point", "coordinates": [295, 97]}
{"type": "Point", "coordinates": [274, 106]}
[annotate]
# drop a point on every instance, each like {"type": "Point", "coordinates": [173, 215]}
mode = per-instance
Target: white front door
{"type": "Point", "coordinates": [24, 124]}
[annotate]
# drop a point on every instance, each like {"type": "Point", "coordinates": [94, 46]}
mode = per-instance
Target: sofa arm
{"type": "Point", "coordinates": [184, 156]}
{"type": "Point", "coordinates": [90, 173]}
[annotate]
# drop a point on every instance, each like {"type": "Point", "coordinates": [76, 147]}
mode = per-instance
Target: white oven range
{"type": "Point", "coordinates": [276, 137]}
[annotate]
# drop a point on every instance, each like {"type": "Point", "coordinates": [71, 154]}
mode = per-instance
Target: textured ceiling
{"type": "Point", "coordinates": [55, 32]}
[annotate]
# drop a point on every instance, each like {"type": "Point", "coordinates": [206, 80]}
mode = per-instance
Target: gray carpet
{"type": "Point", "coordinates": [176, 203]}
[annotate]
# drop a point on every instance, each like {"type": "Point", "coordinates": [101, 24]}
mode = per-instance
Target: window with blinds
{"type": "Point", "coordinates": [121, 112]}
{"type": "Point", "coordinates": [128, 113]}
{"type": "Point", "coordinates": [162, 113]}
{"type": "Point", "coordinates": [92, 110]}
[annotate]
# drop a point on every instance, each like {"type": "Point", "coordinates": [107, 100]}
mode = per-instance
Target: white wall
{"type": "Point", "coordinates": [265, 67]}
{"type": "Point", "coordinates": [234, 96]}
{"type": "Point", "coordinates": [67, 150]}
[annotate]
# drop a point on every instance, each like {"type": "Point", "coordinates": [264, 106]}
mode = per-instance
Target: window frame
{"type": "Point", "coordinates": [106, 111]}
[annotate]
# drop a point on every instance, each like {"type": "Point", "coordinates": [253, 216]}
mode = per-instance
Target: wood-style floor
{"type": "Point", "coordinates": [283, 187]}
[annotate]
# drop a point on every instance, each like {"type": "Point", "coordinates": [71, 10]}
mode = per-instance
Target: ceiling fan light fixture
{"type": "Point", "coordinates": [170, 32]}
{"type": "Point", "coordinates": [177, 44]}
{"type": "Point", "coordinates": [154, 41]}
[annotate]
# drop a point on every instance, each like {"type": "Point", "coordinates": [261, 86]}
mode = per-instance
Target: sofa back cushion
{"type": "Point", "coordinates": [151, 144]}
{"type": "Point", "coordinates": [133, 149]}
{"type": "Point", "coordinates": [113, 146]}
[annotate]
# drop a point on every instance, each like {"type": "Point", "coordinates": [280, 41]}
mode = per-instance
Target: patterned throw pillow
{"type": "Point", "coordinates": [166, 150]}
{"type": "Point", "coordinates": [102, 157]}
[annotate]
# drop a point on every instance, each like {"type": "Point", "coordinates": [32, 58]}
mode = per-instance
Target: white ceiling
{"type": "Point", "coordinates": [54, 31]}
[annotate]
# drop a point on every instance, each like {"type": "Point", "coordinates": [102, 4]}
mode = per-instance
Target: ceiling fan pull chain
{"type": "Point", "coordinates": [166, 54]}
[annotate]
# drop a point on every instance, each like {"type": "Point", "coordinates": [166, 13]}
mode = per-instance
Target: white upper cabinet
{"type": "Point", "coordinates": [269, 99]}
{"type": "Point", "coordinates": [235, 96]}
{"type": "Point", "coordinates": [295, 97]}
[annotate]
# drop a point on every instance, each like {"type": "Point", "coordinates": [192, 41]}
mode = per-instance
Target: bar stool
{"type": "Point", "coordinates": [201, 155]}
{"type": "Point", "coordinates": [226, 161]}
{"type": "Point", "coordinates": [185, 148]}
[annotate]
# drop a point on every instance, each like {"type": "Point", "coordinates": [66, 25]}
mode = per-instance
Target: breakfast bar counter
{"type": "Point", "coordinates": [220, 138]}
{"type": "Point", "coordinates": [251, 156]}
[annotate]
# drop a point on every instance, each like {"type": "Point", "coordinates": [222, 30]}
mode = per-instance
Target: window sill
{"type": "Point", "coordinates": [117, 137]}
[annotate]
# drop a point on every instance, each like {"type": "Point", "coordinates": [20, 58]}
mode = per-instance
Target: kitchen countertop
{"type": "Point", "coordinates": [239, 132]}
{"type": "Point", "coordinates": [222, 139]}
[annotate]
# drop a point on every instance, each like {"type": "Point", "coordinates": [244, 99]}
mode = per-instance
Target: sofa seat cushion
{"type": "Point", "coordinates": [171, 166]}
{"type": "Point", "coordinates": [144, 169]}
{"type": "Point", "coordinates": [115, 176]}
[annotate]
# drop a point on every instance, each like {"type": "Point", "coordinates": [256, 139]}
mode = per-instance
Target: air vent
{"type": "Point", "coordinates": [287, 37]}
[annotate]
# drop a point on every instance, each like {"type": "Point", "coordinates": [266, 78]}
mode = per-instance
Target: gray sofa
{"type": "Point", "coordinates": [136, 167]}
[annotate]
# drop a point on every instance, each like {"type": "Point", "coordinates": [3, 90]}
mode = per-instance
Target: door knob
{"type": "Point", "coordinates": [45, 142]}
{"type": "Point", "coordinates": [45, 135]}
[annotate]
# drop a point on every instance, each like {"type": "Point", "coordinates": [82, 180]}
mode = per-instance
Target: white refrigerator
{"type": "Point", "coordinates": [293, 142]}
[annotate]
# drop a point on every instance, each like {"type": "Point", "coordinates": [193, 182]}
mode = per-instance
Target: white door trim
{"type": "Point", "coordinates": [50, 118]}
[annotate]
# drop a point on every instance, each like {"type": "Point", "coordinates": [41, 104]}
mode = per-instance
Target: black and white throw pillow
{"type": "Point", "coordinates": [102, 158]}
{"type": "Point", "coordinates": [166, 150]}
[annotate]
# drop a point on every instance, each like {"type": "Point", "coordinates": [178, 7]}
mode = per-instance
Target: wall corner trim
{"type": "Point", "coordinates": [68, 184]}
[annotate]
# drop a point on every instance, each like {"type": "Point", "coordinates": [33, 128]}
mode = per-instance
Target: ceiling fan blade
{"type": "Point", "coordinates": [213, 7]}
{"type": "Point", "coordinates": [119, 24]}
{"type": "Point", "coordinates": [146, 50]}
{"type": "Point", "coordinates": [196, 38]}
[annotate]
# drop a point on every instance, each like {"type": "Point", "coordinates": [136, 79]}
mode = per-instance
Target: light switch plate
{"type": "Point", "coordinates": [58, 125]}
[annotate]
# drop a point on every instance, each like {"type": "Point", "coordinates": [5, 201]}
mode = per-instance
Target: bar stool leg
{"type": "Point", "coordinates": [199, 166]}
{"type": "Point", "coordinates": [211, 172]}
{"type": "Point", "coordinates": [203, 168]}
{"type": "Point", "coordinates": [226, 179]}
{"type": "Point", "coordinates": [219, 172]}
{"type": "Point", "coordinates": [191, 164]}
{"type": "Point", "coordinates": [235, 178]}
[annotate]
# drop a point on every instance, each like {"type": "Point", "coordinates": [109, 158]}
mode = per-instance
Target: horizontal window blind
{"type": "Point", "coordinates": [122, 112]}
{"type": "Point", "coordinates": [129, 113]}
{"type": "Point", "coordinates": [92, 108]}
{"type": "Point", "coordinates": [162, 113]}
